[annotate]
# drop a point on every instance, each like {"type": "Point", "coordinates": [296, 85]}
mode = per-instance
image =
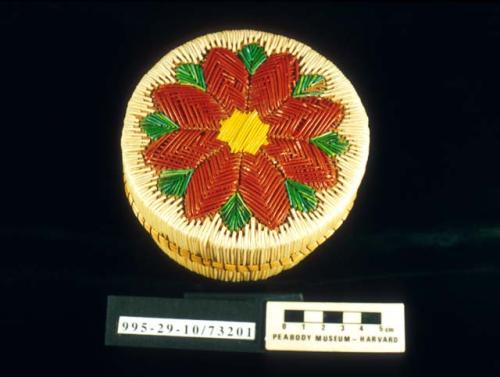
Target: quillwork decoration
{"type": "Point", "coordinates": [244, 135]}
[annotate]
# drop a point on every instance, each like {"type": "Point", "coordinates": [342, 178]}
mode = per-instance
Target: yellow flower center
{"type": "Point", "coordinates": [244, 132]}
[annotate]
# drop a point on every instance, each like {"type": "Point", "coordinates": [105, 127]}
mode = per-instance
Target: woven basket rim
{"type": "Point", "coordinates": [211, 268]}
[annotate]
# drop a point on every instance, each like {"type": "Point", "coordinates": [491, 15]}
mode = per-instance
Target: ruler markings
{"type": "Point", "coordinates": [335, 327]}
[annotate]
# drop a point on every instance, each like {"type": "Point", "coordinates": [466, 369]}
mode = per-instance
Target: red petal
{"type": "Point", "coordinates": [303, 162]}
{"type": "Point", "coordinates": [262, 187]}
{"type": "Point", "coordinates": [226, 78]}
{"type": "Point", "coordinates": [273, 83]}
{"type": "Point", "coordinates": [211, 184]}
{"type": "Point", "coordinates": [182, 149]}
{"type": "Point", "coordinates": [304, 118]}
{"type": "Point", "coordinates": [189, 107]}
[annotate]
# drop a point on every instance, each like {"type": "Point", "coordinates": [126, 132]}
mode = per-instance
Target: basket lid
{"type": "Point", "coordinates": [243, 148]}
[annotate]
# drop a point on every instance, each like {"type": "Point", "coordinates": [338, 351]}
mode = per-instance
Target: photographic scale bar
{"type": "Point", "coordinates": [319, 316]}
{"type": "Point", "coordinates": [335, 327]}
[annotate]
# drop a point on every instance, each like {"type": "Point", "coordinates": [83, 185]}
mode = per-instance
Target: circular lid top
{"type": "Point", "coordinates": [242, 143]}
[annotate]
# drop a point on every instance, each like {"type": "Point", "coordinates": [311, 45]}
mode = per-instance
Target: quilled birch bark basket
{"type": "Point", "coordinates": [242, 152]}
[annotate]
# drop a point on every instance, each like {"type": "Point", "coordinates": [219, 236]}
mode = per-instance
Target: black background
{"type": "Point", "coordinates": [424, 230]}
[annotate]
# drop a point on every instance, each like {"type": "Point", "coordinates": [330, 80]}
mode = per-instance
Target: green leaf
{"type": "Point", "coordinates": [191, 74]}
{"type": "Point", "coordinates": [331, 143]}
{"type": "Point", "coordinates": [235, 214]}
{"type": "Point", "coordinates": [309, 85]}
{"type": "Point", "coordinates": [301, 197]}
{"type": "Point", "coordinates": [158, 124]}
{"type": "Point", "coordinates": [174, 182]}
{"type": "Point", "coordinates": [252, 56]}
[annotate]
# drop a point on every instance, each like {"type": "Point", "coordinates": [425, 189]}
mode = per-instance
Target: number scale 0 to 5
{"type": "Point", "coordinates": [191, 328]}
{"type": "Point", "coordinates": [335, 327]}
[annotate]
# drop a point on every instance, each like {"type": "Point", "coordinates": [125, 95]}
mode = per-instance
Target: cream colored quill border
{"type": "Point", "coordinates": [254, 245]}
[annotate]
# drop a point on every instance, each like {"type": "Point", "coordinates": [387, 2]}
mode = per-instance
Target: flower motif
{"type": "Point", "coordinates": [244, 135]}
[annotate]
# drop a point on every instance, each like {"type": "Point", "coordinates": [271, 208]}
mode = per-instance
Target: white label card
{"type": "Point", "coordinates": [334, 327]}
{"type": "Point", "coordinates": [191, 328]}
